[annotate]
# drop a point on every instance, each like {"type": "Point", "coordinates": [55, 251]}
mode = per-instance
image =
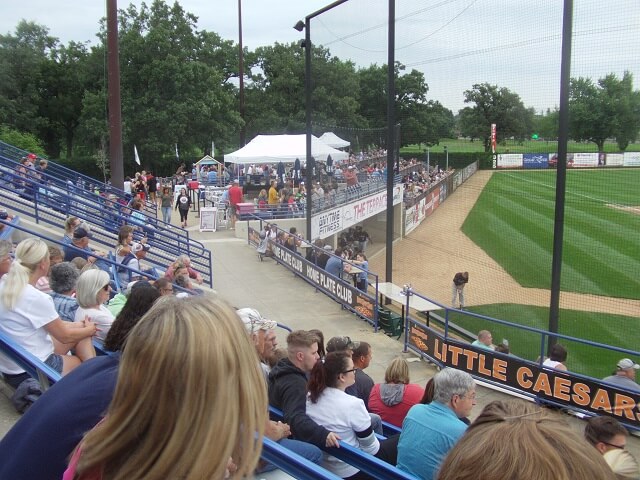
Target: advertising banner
{"type": "Point", "coordinates": [581, 160]}
{"type": "Point", "coordinates": [631, 159]}
{"type": "Point", "coordinates": [411, 217]}
{"type": "Point", "coordinates": [332, 221]}
{"type": "Point", "coordinates": [510, 160]}
{"type": "Point", "coordinates": [527, 377]}
{"type": "Point", "coordinates": [340, 290]}
{"type": "Point", "coordinates": [613, 159]}
{"type": "Point", "coordinates": [535, 160]}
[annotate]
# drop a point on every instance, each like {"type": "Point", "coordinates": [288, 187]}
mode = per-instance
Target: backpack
{"type": "Point", "coordinates": [125, 261]}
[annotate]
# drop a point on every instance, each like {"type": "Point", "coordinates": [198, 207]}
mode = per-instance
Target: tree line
{"type": "Point", "coordinates": [179, 86]}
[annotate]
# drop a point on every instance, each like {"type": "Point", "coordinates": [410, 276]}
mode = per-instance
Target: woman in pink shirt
{"type": "Point", "coordinates": [393, 399]}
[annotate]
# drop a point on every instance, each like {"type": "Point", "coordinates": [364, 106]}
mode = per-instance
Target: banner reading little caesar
{"type": "Point", "coordinates": [526, 376]}
{"type": "Point", "coordinates": [337, 219]}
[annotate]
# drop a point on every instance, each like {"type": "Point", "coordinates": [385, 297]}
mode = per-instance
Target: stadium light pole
{"type": "Point", "coordinates": [306, 26]}
{"type": "Point", "coordinates": [446, 154]}
{"type": "Point", "coordinates": [561, 170]}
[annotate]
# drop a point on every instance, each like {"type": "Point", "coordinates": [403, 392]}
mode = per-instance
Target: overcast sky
{"type": "Point", "coordinates": [456, 43]}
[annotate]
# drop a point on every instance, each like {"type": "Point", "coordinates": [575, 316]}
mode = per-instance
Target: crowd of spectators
{"type": "Point", "coordinates": [324, 396]}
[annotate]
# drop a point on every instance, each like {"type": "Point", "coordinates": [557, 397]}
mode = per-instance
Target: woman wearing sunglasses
{"type": "Point", "coordinates": [92, 292]}
{"type": "Point", "coordinates": [328, 405]}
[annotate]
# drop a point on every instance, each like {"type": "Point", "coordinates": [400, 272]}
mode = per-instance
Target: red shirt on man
{"type": "Point", "coordinates": [235, 195]}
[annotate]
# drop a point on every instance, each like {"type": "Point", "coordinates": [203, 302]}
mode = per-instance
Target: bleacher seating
{"type": "Point", "coordinates": [10, 157]}
{"type": "Point", "coordinates": [369, 464]}
{"type": "Point", "coordinates": [51, 206]}
{"type": "Point", "coordinates": [31, 364]}
{"type": "Point", "coordinates": [281, 457]}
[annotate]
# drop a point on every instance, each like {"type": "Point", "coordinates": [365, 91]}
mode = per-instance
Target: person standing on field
{"type": "Point", "coordinates": [460, 279]}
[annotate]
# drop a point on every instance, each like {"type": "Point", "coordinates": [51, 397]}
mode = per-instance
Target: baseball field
{"type": "Point", "coordinates": [499, 227]}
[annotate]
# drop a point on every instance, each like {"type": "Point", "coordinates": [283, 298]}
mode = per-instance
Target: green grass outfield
{"type": "Point", "coordinates": [617, 330]}
{"type": "Point", "coordinates": [513, 222]}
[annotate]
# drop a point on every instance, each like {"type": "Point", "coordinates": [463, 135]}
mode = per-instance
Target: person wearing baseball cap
{"type": "Point", "coordinates": [132, 261]}
{"type": "Point", "coordinates": [260, 330]}
{"type": "Point", "coordinates": [340, 344]}
{"type": "Point", "coordinates": [625, 375]}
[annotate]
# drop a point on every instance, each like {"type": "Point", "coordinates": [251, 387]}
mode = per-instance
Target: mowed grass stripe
{"type": "Point", "coordinates": [484, 228]}
{"type": "Point", "coordinates": [590, 236]}
{"type": "Point", "coordinates": [601, 245]}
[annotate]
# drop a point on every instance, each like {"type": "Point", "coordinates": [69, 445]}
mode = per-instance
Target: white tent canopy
{"type": "Point", "coordinates": [283, 148]}
{"type": "Point", "coordinates": [333, 140]}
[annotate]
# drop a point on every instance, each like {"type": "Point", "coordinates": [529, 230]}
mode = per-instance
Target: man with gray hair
{"type": "Point", "coordinates": [63, 280]}
{"type": "Point", "coordinates": [430, 431]}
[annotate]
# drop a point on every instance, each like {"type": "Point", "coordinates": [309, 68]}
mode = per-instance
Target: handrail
{"type": "Point", "coordinates": [61, 173]}
{"type": "Point", "coordinates": [361, 460]}
{"type": "Point", "coordinates": [53, 205]}
{"type": "Point", "coordinates": [293, 464]}
{"type": "Point", "coordinates": [31, 364]}
{"type": "Point", "coordinates": [107, 260]}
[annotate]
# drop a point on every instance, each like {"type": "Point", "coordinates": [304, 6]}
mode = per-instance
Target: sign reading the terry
{"type": "Point", "coordinates": [337, 219]}
{"type": "Point", "coordinates": [528, 377]}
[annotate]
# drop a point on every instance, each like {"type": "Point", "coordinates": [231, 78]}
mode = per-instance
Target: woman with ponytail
{"type": "Point", "coordinates": [29, 316]}
{"type": "Point", "coordinates": [328, 405]}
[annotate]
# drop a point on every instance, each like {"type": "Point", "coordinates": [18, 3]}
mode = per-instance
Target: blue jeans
{"type": "Point", "coordinates": [304, 449]}
{"type": "Point", "coordinates": [376, 423]}
{"type": "Point", "coordinates": [166, 214]}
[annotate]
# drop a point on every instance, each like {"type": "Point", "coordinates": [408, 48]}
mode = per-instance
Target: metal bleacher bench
{"type": "Point", "coordinates": [369, 464]}
{"type": "Point", "coordinates": [31, 364]}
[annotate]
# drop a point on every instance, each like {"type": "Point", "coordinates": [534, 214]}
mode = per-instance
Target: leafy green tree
{"type": "Point", "coordinates": [64, 79]}
{"type": "Point", "coordinates": [493, 104]}
{"type": "Point", "coordinates": [547, 125]}
{"type": "Point", "coordinates": [22, 57]}
{"type": "Point", "coordinates": [172, 91]}
{"type": "Point", "coordinates": [608, 109]}
{"type": "Point", "coordinates": [276, 94]}
{"type": "Point", "coordinates": [23, 140]}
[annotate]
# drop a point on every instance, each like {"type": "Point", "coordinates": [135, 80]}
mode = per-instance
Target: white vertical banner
{"type": "Point", "coordinates": [135, 153]}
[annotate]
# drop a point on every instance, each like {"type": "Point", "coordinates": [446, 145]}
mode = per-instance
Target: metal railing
{"type": "Point", "coordinates": [51, 205]}
{"type": "Point", "coordinates": [60, 175]}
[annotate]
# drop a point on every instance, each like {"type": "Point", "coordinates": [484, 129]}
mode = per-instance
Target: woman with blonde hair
{"type": "Point", "coordinates": [179, 410]}
{"type": "Point", "coordinates": [92, 292]}
{"type": "Point", "coordinates": [393, 398]}
{"type": "Point", "coordinates": [519, 440]}
{"type": "Point", "coordinates": [30, 319]}
{"type": "Point", "coordinates": [70, 225]}
{"type": "Point", "coordinates": [5, 256]}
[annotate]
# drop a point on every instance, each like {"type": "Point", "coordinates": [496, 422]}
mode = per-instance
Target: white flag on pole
{"type": "Point", "coordinates": [213, 150]}
{"type": "Point", "coordinates": [177, 155]}
{"type": "Point", "coordinates": [135, 152]}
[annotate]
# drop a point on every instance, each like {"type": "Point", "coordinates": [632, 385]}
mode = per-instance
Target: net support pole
{"type": "Point", "coordinates": [391, 97]}
{"type": "Point", "coordinates": [561, 172]}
